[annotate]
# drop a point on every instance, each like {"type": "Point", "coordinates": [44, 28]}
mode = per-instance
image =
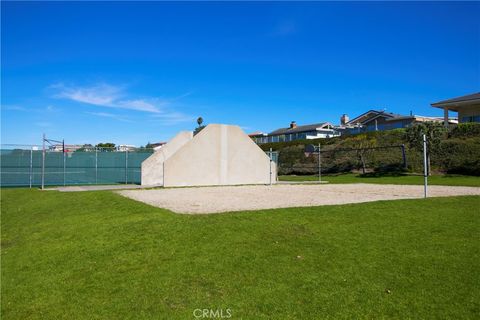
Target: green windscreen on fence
{"type": "Point", "coordinates": [24, 167]}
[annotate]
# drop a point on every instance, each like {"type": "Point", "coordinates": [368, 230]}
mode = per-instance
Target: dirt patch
{"type": "Point", "coordinates": [238, 198]}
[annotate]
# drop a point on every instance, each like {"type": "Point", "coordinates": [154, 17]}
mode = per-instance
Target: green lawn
{"type": "Point", "coordinates": [97, 255]}
{"type": "Point", "coordinates": [447, 180]}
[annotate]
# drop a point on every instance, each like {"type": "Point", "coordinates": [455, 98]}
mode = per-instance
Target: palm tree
{"type": "Point", "coordinates": [200, 126]}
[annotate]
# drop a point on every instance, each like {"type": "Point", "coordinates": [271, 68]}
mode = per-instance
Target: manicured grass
{"type": "Point", "coordinates": [97, 255]}
{"type": "Point", "coordinates": [446, 180]}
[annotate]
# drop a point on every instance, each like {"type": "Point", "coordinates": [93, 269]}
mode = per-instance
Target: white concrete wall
{"type": "Point", "coordinates": [153, 166]}
{"type": "Point", "coordinates": [219, 155]}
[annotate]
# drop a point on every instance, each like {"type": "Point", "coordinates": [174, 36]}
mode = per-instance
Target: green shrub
{"type": "Point", "coordinates": [455, 152]}
{"type": "Point", "coordinates": [292, 160]}
{"type": "Point", "coordinates": [460, 156]}
{"type": "Point", "coordinates": [464, 130]}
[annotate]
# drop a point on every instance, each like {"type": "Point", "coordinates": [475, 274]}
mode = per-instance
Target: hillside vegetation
{"type": "Point", "coordinates": [454, 150]}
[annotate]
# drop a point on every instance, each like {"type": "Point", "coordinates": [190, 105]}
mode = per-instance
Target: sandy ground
{"type": "Point", "coordinates": [238, 198]}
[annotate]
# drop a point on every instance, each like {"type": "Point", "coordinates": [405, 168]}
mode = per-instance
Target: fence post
{"type": "Point", "coordinates": [126, 166]}
{"type": "Point", "coordinates": [43, 162]}
{"type": "Point", "coordinates": [404, 157]}
{"type": "Point", "coordinates": [270, 156]}
{"type": "Point", "coordinates": [319, 165]}
{"type": "Point", "coordinates": [425, 169]}
{"type": "Point", "coordinates": [96, 165]}
{"type": "Point", "coordinates": [31, 165]}
{"type": "Point", "coordinates": [64, 168]}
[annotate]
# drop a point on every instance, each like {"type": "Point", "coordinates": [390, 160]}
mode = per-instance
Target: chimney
{"type": "Point", "coordinates": [293, 125]}
{"type": "Point", "coordinates": [344, 119]}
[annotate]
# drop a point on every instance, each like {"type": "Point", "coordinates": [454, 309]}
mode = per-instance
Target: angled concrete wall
{"type": "Point", "coordinates": [153, 166]}
{"type": "Point", "coordinates": [218, 155]}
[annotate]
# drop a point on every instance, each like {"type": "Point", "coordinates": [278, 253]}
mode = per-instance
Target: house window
{"type": "Point", "coordinates": [471, 119]}
{"type": "Point", "coordinates": [398, 125]}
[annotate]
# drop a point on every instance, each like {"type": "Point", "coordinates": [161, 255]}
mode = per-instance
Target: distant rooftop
{"type": "Point", "coordinates": [367, 116]}
{"type": "Point", "coordinates": [158, 144]}
{"type": "Point", "coordinates": [296, 129]}
{"type": "Point", "coordinates": [468, 97]}
{"type": "Point", "coordinates": [256, 133]}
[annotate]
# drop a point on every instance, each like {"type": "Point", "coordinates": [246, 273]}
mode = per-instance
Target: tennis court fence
{"type": "Point", "coordinates": [22, 166]}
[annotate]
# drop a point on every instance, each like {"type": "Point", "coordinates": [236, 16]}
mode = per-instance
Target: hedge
{"type": "Point", "coordinates": [458, 152]}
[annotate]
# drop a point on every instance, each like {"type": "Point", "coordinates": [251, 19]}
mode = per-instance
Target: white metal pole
{"type": "Point", "coordinates": [425, 165]}
{"type": "Point", "coordinates": [31, 165]}
{"type": "Point", "coordinates": [43, 162]}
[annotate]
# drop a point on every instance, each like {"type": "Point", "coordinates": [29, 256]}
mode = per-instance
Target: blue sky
{"type": "Point", "coordinates": [138, 72]}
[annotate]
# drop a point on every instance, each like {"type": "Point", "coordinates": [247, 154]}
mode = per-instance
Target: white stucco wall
{"type": "Point", "coordinates": [153, 166]}
{"type": "Point", "coordinates": [218, 155]}
{"type": "Point", "coordinates": [468, 111]}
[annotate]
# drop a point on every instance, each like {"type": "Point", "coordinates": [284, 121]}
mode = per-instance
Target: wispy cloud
{"type": "Point", "coordinates": [141, 105]}
{"type": "Point", "coordinates": [106, 95]}
{"type": "Point", "coordinates": [48, 108]}
{"type": "Point", "coordinates": [186, 94]}
{"type": "Point", "coordinates": [13, 108]}
{"type": "Point", "coordinates": [161, 110]}
{"type": "Point", "coordinates": [172, 118]}
{"type": "Point", "coordinates": [108, 115]}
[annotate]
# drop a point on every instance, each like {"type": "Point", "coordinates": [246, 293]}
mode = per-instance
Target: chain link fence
{"type": "Point", "coordinates": [299, 160]}
{"type": "Point", "coordinates": [21, 166]}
